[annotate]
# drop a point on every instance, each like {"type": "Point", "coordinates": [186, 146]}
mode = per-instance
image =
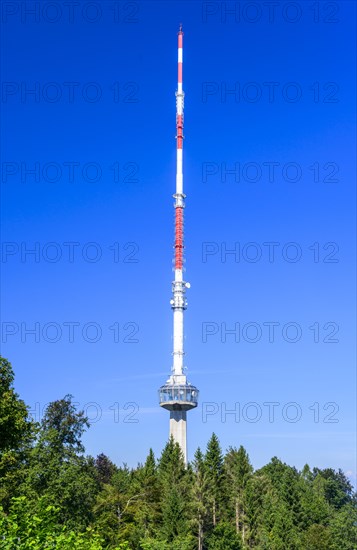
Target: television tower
{"type": "Point", "coordinates": [178, 395]}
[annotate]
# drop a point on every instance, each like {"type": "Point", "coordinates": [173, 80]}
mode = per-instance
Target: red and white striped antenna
{"type": "Point", "coordinates": [178, 395]}
{"type": "Point", "coordinates": [179, 302]}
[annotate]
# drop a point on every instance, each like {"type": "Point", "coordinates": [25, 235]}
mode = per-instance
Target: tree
{"type": "Point", "coordinates": [315, 509]}
{"type": "Point", "coordinates": [316, 537]}
{"type": "Point", "coordinates": [16, 427]}
{"type": "Point", "coordinates": [62, 428]}
{"type": "Point", "coordinates": [17, 432]}
{"type": "Point", "coordinates": [116, 506]}
{"type": "Point", "coordinates": [105, 468]}
{"type": "Point", "coordinates": [343, 528]}
{"type": "Point", "coordinates": [286, 482]}
{"type": "Point", "coordinates": [256, 495]}
{"type": "Point", "coordinates": [213, 464]}
{"type": "Point", "coordinates": [66, 500]}
{"type": "Point", "coordinates": [146, 482]}
{"type": "Point", "coordinates": [21, 529]}
{"type": "Point", "coordinates": [180, 543]}
{"type": "Point", "coordinates": [338, 490]}
{"type": "Point", "coordinates": [57, 469]}
{"type": "Point", "coordinates": [237, 470]}
{"type": "Point", "coordinates": [199, 496]}
{"type": "Point", "coordinates": [224, 537]}
{"type": "Point", "coordinates": [173, 479]}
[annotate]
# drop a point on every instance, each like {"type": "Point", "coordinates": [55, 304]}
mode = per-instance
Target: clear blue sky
{"type": "Point", "coordinates": [100, 131]}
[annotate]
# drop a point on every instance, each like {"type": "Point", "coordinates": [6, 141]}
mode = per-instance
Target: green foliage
{"type": "Point", "coordinates": [57, 471]}
{"type": "Point", "coordinates": [105, 468]}
{"type": "Point", "coordinates": [237, 472]}
{"type": "Point", "coordinates": [213, 465]}
{"type": "Point", "coordinates": [115, 507]}
{"type": "Point", "coordinates": [224, 537]}
{"type": "Point", "coordinates": [62, 428]}
{"type": "Point", "coordinates": [147, 513]}
{"type": "Point", "coordinates": [316, 537]}
{"type": "Point", "coordinates": [174, 486]}
{"type": "Point", "coordinates": [199, 498]}
{"type": "Point", "coordinates": [315, 508]}
{"type": "Point", "coordinates": [181, 543]}
{"type": "Point", "coordinates": [21, 530]}
{"type": "Point", "coordinates": [336, 487]}
{"type": "Point", "coordinates": [64, 500]}
{"type": "Point", "coordinates": [17, 431]}
{"type": "Point", "coordinates": [13, 411]}
{"type": "Point", "coordinates": [343, 528]}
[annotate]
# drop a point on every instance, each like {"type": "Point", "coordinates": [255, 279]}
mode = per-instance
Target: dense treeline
{"type": "Point", "coordinates": [53, 496]}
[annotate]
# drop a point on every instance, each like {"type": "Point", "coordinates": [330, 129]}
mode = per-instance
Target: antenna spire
{"type": "Point", "coordinates": [178, 395]}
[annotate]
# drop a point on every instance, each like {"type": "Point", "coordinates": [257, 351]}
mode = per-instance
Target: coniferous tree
{"type": "Point", "coordinates": [316, 537]}
{"type": "Point", "coordinates": [174, 486]}
{"type": "Point", "coordinates": [116, 507]}
{"type": "Point", "coordinates": [314, 507]}
{"type": "Point", "coordinates": [338, 490]}
{"type": "Point", "coordinates": [224, 537]}
{"type": "Point", "coordinates": [278, 531]}
{"type": "Point", "coordinates": [199, 497]}
{"type": "Point", "coordinates": [256, 495]}
{"type": "Point", "coordinates": [343, 528]}
{"type": "Point", "coordinates": [237, 470]}
{"type": "Point", "coordinates": [285, 481]}
{"type": "Point", "coordinates": [147, 515]}
{"type": "Point", "coordinates": [105, 468]}
{"type": "Point", "coordinates": [213, 464]}
{"type": "Point", "coordinates": [64, 499]}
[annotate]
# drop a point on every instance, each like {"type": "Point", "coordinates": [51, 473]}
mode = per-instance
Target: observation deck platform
{"type": "Point", "coordinates": [178, 397]}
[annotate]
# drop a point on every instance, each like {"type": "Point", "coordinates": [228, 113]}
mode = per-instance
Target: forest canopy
{"type": "Point", "coordinates": [53, 495]}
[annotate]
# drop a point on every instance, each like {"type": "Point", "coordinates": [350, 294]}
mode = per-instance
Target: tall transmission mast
{"type": "Point", "coordinates": [178, 395]}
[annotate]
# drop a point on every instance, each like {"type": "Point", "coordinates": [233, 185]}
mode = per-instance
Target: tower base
{"type": "Point", "coordinates": [178, 430]}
